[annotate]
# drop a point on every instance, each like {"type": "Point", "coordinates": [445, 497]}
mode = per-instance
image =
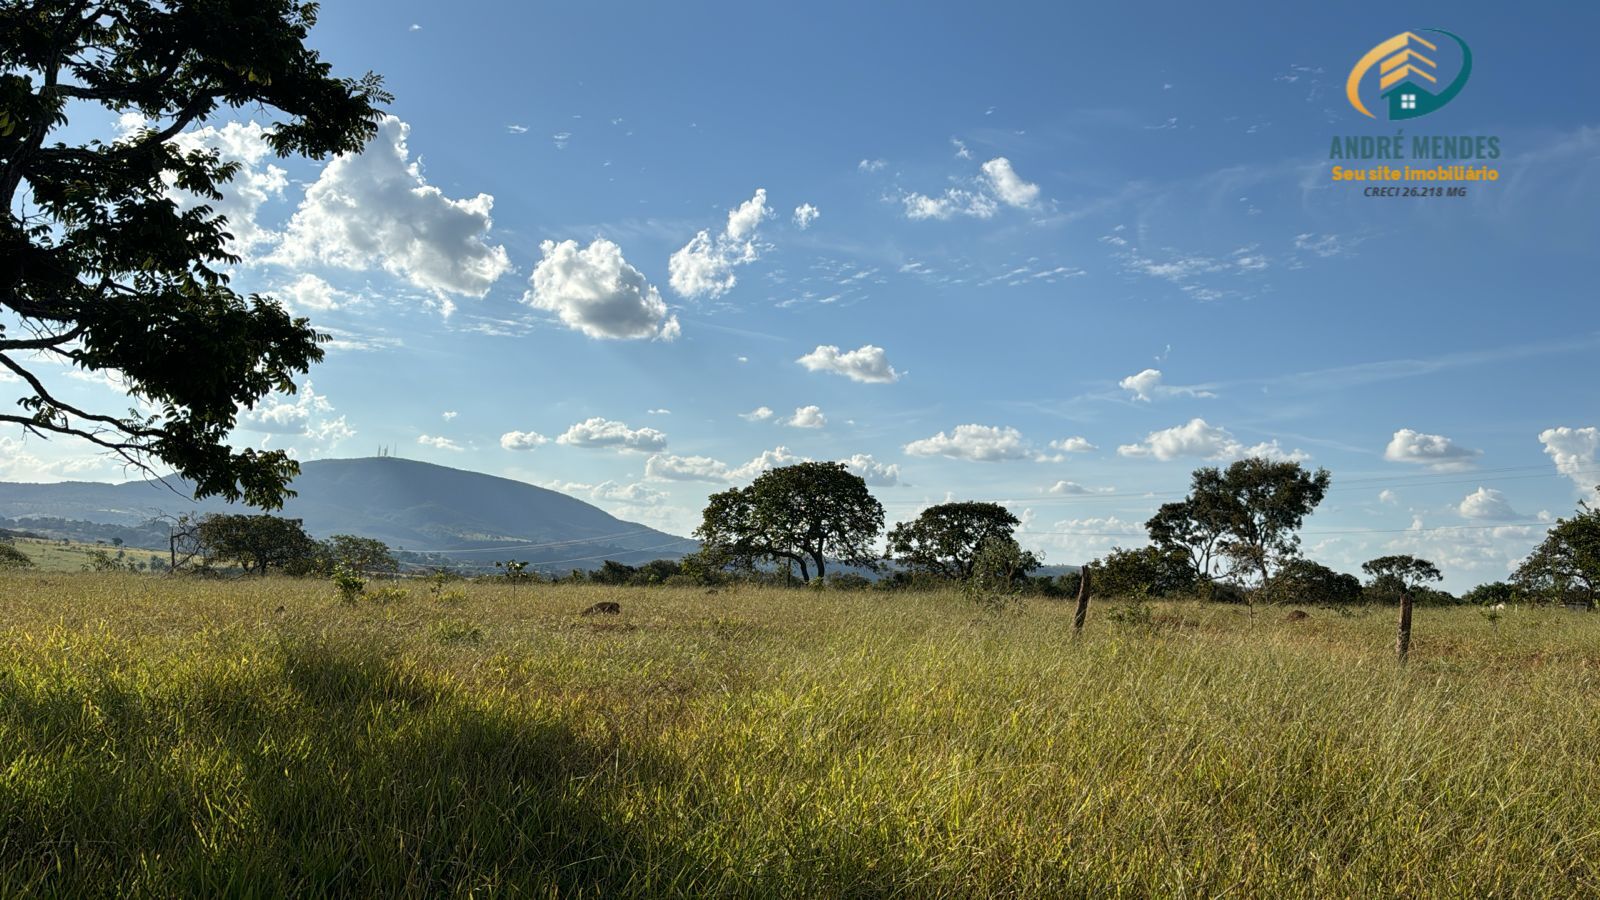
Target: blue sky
{"type": "Point", "coordinates": [1031, 225]}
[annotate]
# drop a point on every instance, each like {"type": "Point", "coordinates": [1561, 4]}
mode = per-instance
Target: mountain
{"type": "Point", "coordinates": [410, 505]}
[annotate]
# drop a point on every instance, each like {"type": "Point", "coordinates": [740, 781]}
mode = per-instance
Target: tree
{"type": "Point", "coordinates": [12, 558]}
{"type": "Point", "coordinates": [1142, 572]}
{"type": "Point", "coordinates": [1566, 563]}
{"type": "Point", "coordinates": [1405, 573]}
{"type": "Point", "coordinates": [803, 514]}
{"type": "Point", "coordinates": [1000, 563]}
{"type": "Point", "coordinates": [367, 556]}
{"type": "Point", "coordinates": [1304, 581]}
{"type": "Point", "coordinates": [258, 543]}
{"type": "Point", "coordinates": [1259, 504]}
{"type": "Point", "coordinates": [944, 539]}
{"type": "Point", "coordinates": [1493, 593]}
{"type": "Point", "coordinates": [102, 267]}
{"type": "Point", "coordinates": [1195, 526]}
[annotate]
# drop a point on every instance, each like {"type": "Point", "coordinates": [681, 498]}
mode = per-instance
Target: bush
{"type": "Point", "coordinates": [349, 584]}
{"type": "Point", "coordinates": [12, 558]}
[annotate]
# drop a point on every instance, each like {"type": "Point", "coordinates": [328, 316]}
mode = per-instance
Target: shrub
{"type": "Point", "coordinates": [349, 584]}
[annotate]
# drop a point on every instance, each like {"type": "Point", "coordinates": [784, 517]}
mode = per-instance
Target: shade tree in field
{"type": "Point", "coordinates": [1302, 580]}
{"type": "Point", "coordinates": [944, 539]}
{"type": "Point", "coordinates": [103, 269]}
{"type": "Point", "coordinates": [804, 514]}
{"type": "Point", "coordinates": [1565, 567]}
{"type": "Point", "coordinates": [368, 556]}
{"type": "Point", "coordinates": [258, 543]}
{"type": "Point", "coordinates": [1142, 573]}
{"type": "Point", "coordinates": [1250, 513]}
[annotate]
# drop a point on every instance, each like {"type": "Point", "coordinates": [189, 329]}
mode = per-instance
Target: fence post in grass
{"type": "Point", "coordinates": [1083, 600]}
{"type": "Point", "coordinates": [1402, 641]}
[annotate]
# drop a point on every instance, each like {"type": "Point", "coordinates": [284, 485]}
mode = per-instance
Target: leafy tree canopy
{"type": "Point", "coordinates": [1402, 572]}
{"type": "Point", "coordinates": [258, 543]}
{"type": "Point", "coordinates": [944, 539]}
{"type": "Point", "coordinates": [1566, 564]}
{"type": "Point", "coordinates": [1259, 504]}
{"type": "Point", "coordinates": [103, 269]}
{"type": "Point", "coordinates": [804, 514]}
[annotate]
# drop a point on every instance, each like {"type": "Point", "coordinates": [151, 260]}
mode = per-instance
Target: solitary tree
{"type": "Point", "coordinates": [103, 269]}
{"type": "Point", "coordinates": [368, 556]}
{"type": "Point", "coordinates": [1194, 526]}
{"type": "Point", "coordinates": [804, 514]}
{"type": "Point", "coordinates": [258, 543]}
{"type": "Point", "coordinates": [1405, 574]}
{"type": "Point", "coordinates": [1567, 562]}
{"type": "Point", "coordinates": [944, 539]}
{"type": "Point", "coordinates": [1260, 503]}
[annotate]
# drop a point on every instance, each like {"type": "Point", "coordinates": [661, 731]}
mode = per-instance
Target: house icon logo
{"type": "Point", "coordinates": [1408, 74]}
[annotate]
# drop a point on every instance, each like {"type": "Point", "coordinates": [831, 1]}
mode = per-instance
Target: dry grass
{"type": "Point", "coordinates": [188, 737]}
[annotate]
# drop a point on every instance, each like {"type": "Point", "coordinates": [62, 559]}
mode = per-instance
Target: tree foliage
{"type": "Point", "coordinates": [1257, 506]}
{"type": "Point", "coordinates": [1143, 572]}
{"type": "Point", "coordinates": [1565, 566]}
{"type": "Point", "coordinates": [102, 268]}
{"type": "Point", "coordinates": [12, 558]}
{"type": "Point", "coordinates": [367, 556]}
{"type": "Point", "coordinates": [258, 543]}
{"type": "Point", "coordinates": [1399, 575]}
{"type": "Point", "coordinates": [1304, 581]}
{"type": "Point", "coordinates": [805, 514]}
{"type": "Point", "coordinates": [943, 540]}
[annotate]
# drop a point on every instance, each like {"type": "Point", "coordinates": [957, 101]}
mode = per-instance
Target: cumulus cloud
{"type": "Point", "coordinates": [805, 214]}
{"type": "Point", "coordinates": [375, 208]}
{"type": "Point", "coordinates": [595, 291]}
{"type": "Point", "coordinates": [1487, 504]}
{"type": "Point", "coordinates": [873, 472]}
{"type": "Point", "coordinates": [981, 443]}
{"type": "Point", "coordinates": [308, 293]}
{"type": "Point", "coordinates": [871, 165]}
{"type": "Point", "coordinates": [1388, 497]}
{"type": "Point", "coordinates": [866, 363]}
{"type": "Point", "coordinates": [1074, 489]}
{"type": "Point", "coordinates": [1200, 439]}
{"type": "Point", "coordinates": [1003, 182]}
{"type": "Point", "coordinates": [807, 417]}
{"type": "Point", "coordinates": [669, 467]}
{"type": "Point", "coordinates": [308, 414]}
{"type": "Point", "coordinates": [637, 493]}
{"type": "Point", "coordinates": [17, 464]}
{"type": "Point", "coordinates": [256, 182]}
{"type": "Point", "coordinates": [997, 183]}
{"type": "Point", "coordinates": [759, 414]}
{"type": "Point", "coordinates": [1432, 450]}
{"type": "Point", "coordinates": [1147, 385]}
{"type": "Point", "coordinates": [599, 432]}
{"type": "Point", "coordinates": [1576, 452]}
{"type": "Point", "coordinates": [953, 202]}
{"type": "Point", "coordinates": [704, 266]}
{"type": "Point", "coordinates": [1073, 445]}
{"type": "Point", "coordinates": [442, 443]}
{"type": "Point", "coordinates": [522, 440]}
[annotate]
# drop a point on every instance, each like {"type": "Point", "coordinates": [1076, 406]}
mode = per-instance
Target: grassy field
{"type": "Point", "coordinates": [75, 556]}
{"type": "Point", "coordinates": [187, 737]}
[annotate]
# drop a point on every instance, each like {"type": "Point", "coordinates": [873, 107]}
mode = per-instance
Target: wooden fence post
{"type": "Point", "coordinates": [1402, 641]}
{"type": "Point", "coordinates": [1083, 600]}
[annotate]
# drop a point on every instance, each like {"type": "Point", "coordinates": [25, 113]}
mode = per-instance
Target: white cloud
{"type": "Point", "coordinates": [807, 417]}
{"type": "Point", "coordinates": [449, 414]}
{"type": "Point", "coordinates": [659, 412]}
{"type": "Point", "coordinates": [1487, 504]}
{"type": "Point", "coordinates": [953, 202]}
{"type": "Point", "coordinates": [517, 129]}
{"type": "Point", "coordinates": [874, 473]}
{"type": "Point", "coordinates": [599, 432]}
{"type": "Point", "coordinates": [522, 440]}
{"type": "Point", "coordinates": [310, 293]}
{"type": "Point", "coordinates": [983, 443]}
{"type": "Point", "coordinates": [867, 363]}
{"type": "Point", "coordinates": [636, 493]}
{"type": "Point", "coordinates": [17, 464]}
{"type": "Point", "coordinates": [442, 443]}
{"type": "Point", "coordinates": [704, 266]}
{"type": "Point", "coordinates": [759, 414]}
{"type": "Point", "coordinates": [669, 467]}
{"type": "Point", "coordinates": [375, 208]}
{"type": "Point", "coordinates": [1004, 182]}
{"type": "Point", "coordinates": [1147, 385]}
{"type": "Point", "coordinates": [308, 414]}
{"type": "Point", "coordinates": [1433, 450]}
{"type": "Point", "coordinates": [1073, 445]}
{"type": "Point", "coordinates": [1575, 452]}
{"type": "Point", "coordinates": [871, 165]}
{"type": "Point", "coordinates": [1388, 497]}
{"type": "Point", "coordinates": [805, 214]}
{"type": "Point", "coordinates": [1199, 439]}
{"type": "Point", "coordinates": [1072, 488]}
{"type": "Point", "coordinates": [961, 148]}
{"type": "Point", "coordinates": [595, 291]}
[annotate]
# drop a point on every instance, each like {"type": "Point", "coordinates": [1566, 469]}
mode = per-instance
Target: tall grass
{"type": "Point", "coordinates": [181, 737]}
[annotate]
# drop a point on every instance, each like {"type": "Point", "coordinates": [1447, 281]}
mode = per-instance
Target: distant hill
{"type": "Point", "coordinates": [410, 505]}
